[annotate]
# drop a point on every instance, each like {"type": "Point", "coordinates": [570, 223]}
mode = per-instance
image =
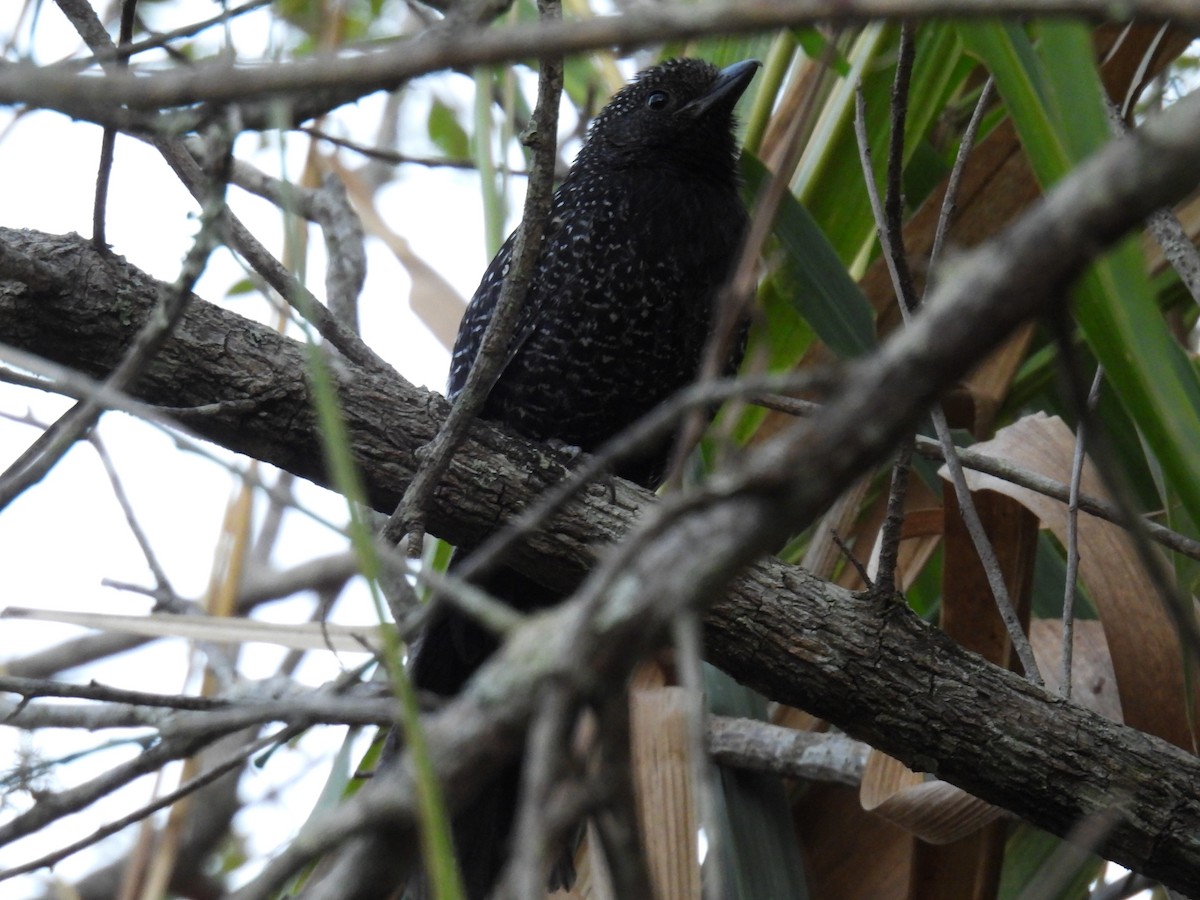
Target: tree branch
{"type": "Point", "coordinates": [874, 669]}
{"type": "Point", "coordinates": [355, 73]}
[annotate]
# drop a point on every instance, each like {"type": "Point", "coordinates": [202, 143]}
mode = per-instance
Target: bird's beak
{"type": "Point", "coordinates": [731, 83]}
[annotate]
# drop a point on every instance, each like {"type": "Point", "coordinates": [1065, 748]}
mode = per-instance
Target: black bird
{"type": "Point", "coordinates": [643, 233]}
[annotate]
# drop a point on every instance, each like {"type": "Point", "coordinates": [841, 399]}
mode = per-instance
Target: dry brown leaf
{"type": "Point", "coordinates": [1144, 647]}
{"type": "Point", "coordinates": [432, 297]}
{"type": "Point", "coordinates": [932, 810]}
{"type": "Point", "coordinates": [851, 855]}
{"type": "Point", "coordinates": [662, 789]}
{"type": "Point", "coordinates": [1093, 682]}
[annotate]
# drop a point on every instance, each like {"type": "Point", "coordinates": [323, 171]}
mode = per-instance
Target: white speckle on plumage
{"type": "Point", "coordinates": [641, 235]}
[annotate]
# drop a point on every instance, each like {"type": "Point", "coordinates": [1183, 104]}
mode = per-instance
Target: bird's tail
{"type": "Point", "coordinates": [482, 838]}
{"type": "Point", "coordinates": [449, 652]}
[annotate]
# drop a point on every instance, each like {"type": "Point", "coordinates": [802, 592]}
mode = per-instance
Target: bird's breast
{"type": "Point", "coordinates": [624, 297]}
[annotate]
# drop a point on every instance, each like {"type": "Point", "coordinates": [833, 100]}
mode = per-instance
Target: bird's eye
{"type": "Point", "coordinates": [657, 100]}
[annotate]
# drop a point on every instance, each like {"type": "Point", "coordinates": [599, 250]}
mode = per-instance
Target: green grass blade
{"type": "Point", "coordinates": [1033, 857]}
{"type": "Point", "coordinates": [829, 179]}
{"type": "Point", "coordinates": [821, 289]}
{"type": "Point", "coordinates": [1054, 95]}
{"type": "Point", "coordinates": [761, 857]}
{"type": "Point", "coordinates": [436, 844]}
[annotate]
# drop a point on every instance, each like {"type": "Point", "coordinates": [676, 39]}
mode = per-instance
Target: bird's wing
{"type": "Point", "coordinates": [487, 296]}
{"type": "Point", "coordinates": [476, 318]}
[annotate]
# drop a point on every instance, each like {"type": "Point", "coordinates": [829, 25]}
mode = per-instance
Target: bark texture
{"type": "Point", "coordinates": [869, 666]}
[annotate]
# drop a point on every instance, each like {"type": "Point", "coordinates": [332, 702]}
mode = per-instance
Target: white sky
{"type": "Point", "coordinates": [67, 534]}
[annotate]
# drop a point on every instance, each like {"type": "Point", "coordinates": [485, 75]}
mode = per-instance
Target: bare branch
{"type": "Point", "coordinates": [493, 350]}
{"type": "Point", "coordinates": [358, 73]}
{"type": "Point", "coordinates": [778, 630]}
{"type": "Point", "coordinates": [762, 747]}
{"type": "Point", "coordinates": [890, 232]}
{"type": "Point", "coordinates": [38, 459]}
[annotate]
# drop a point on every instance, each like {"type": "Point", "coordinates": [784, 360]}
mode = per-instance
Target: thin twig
{"type": "Point", "coordinates": [75, 384]}
{"type": "Point", "coordinates": [1008, 471]}
{"type": "Point", "coordinates": [329, 207]}
{"type": "Point", "coordinates": [951, 454]}
{"type": "Point", "coordinates": [346, 270]}
{"type": "Point", "coordinates": [160, 576]}
{"type": "Point", "coordinates": [1068, 613]}
{"type": "Point", "coordinates": [893, 207]}
{"type": "Point", "coordinates": [987, 555]}
{"type": "Point", "coordinates": [881, 230]}
{"type": "Point", "coordinates": [546, 748]}
{"type": "Point", "coordinates": [181, 716]}
{"type": "Point", "coordinates": [179, 746]}
{"type": "Point", "coordinates": [21, 379]}
{"type": "Point", "coordinates": [970, 516]}
{"type": "Point", "coordinates": [950, 198]}
{"type": "Point", "coordinates": [357, 72]}
{"type": "Point", "coordinates": [275, 273]}
{"type": "Point", "coordinates": [893, 522]}
{"type": "Point", "coordinates": [409, 515]}
{"type": "Point", "coordinates": [84, 20]}
{"type": "Point", "coordinates": [762, 747]}
{"type": "Point", "coordinates": [853, 560]}
{"type": "Point", "coordinates": [703, 775]}
{"type": "Point", "coordinates": [230, 764]}
{"type": "Point", "coordinates": [108, 139]}
{"type": "Point", "coordinates": [889, 538]}
{"type": "Point", "coordinates": [616, 820]}
{"type": "Point", "coordinates": [1035, 481]}
{"type": "Point", "coordinates": [30, 688]}
{"type": "Point", "coordinates": [128, 49]}
{"type": "Point", "coordinates": [1179, 606]}
{"type": "Point", "coordinates": [395, 158]}
{"type": "Point", "coordinates": [496, 616]}
{"type": "Point", "coordinates": [41, 456]}
{"type": "Point", "coordinates": [54, 807]}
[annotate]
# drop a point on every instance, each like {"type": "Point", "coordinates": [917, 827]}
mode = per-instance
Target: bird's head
{"type": "Point", "coordinates": [678, 114]}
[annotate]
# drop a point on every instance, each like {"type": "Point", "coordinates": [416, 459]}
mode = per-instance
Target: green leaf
{"type": "Point", "coordinates": [821, 289]}
{"type": "Point", "coordinates": [1054, 96]}
{"type": "Point", "coordinates": [1039, 864]}
{"type": "Point", "coordinates": [1121, 321]}
{"type": "Point", "coordinates": [926, 170]}
{"type": "Point", "coordinates": [724, 51]}
{"type": "Point", "coordinates": [434, 823]}
{"type": "Point", "coordinates": [829, 180]}
{"type": "Point", "coordinates": [446, 132]}
{"type": "Point", "coordinates": [241, 287]}
{"type": "Point", "coordinates": [816, 45]}
{"type": "Point", "coordinates": [776, 63]}
{"type": "Point", "coordinates": [491, 187]}
{"type": "Point", "coordinates": [761, 856]}
{"type": "Point", "coordinates": [783, 336]}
